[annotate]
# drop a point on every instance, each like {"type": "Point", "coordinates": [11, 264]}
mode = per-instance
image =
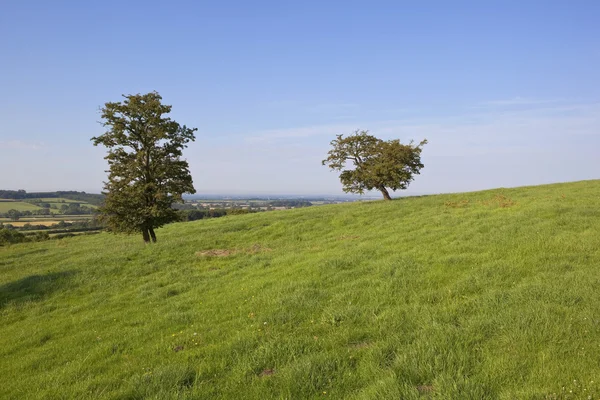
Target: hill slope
{"type": "Point", "coordinates": [490, 294]}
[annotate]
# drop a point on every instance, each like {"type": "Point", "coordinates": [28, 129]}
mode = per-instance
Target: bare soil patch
{"type": "Point", "coordinates": [361, 345]}
{"type": "Point", "coordinates": [424, 389]}
{"type": "Point", "coordinates": [216, 253]}
{"type": "Point", "coordinates": [267, 372]}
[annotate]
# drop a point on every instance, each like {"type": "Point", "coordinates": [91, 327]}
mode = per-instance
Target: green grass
{"type": "Point", "coordinates": [487, 295]}
{"type": "Point", "coordinates": [16, 205]}
{"type": "Point", "coordinates": [59, 200]}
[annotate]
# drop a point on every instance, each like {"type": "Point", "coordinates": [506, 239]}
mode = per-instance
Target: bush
{"type": "Point", "coordinates": [10, 236]}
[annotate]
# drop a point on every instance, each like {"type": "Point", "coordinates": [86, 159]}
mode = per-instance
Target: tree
{"type": "Point", "coordinates": [377, 164]}
{"type": "Point", "coordinates": [13, 214]}
{"type": "Point", "coordinates": [146, 173]}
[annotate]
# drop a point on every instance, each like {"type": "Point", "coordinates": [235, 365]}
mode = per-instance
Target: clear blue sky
{"type": "Point", "coordinates": [506, 92]}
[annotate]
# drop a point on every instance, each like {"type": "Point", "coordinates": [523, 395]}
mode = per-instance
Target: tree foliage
{"type": "Point", "coordinates": [146, 173]}
{"type": "Point", "coordinates": [378, 164]}
{"type": "Point", "coordinates": [13, 214]}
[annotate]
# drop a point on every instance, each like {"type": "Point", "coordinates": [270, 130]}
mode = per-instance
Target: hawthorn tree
{"type": "Point", "coordinates": [146, 174]}
{"type": "Point", "coordinates": [378, 164]}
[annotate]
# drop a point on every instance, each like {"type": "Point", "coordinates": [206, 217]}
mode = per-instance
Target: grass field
{"type": "Point", "coordinates": [16, 205]}
{"type": "Point", "coordinates": [486, 295]}
{"type": "Point", "coordinates": [6, 205]}
{"type": "Point", "coordinates": [59, 200]}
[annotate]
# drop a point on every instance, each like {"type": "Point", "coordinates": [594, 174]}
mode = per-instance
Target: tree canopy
{"type": "Point", "coordinates": [146, 174]}
{"type": "Point", "coordinates": [378, 164]}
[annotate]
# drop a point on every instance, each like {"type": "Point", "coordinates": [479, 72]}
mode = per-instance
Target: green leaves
{"type": "Point", "coordinates": [377, 164]}
{"type": "Point", "coordinates": [146, 174]}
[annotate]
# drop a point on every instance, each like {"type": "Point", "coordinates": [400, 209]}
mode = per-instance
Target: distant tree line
{"type": "Point", "coordinates": [12, 236]}
{"type": "Point", "coordinates": [195, 214]}
{"type": "Point", "coordinates": [290, 203]}
{"type": "Point", "coordinates": [35, 233]}
{"type": "Point", "coordinates": [61, 226]}
{"type": "Point", "coordinates": [65, 209]}
{"type": "Point", "coordinates": [95, 199]}
{"type": "Point", "coordinates": [188, 212]}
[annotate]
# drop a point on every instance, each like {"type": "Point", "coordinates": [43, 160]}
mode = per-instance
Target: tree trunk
{"type": "Point", "coordinates": [384, 191]}
{"type": "Point", "coordinates": [152, 235]}
{"type": "Point", "coordinates": [145, 235]}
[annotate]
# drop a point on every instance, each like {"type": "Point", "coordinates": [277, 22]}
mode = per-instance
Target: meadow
{"type": "Point", "coordinates": [484, 295]}
{"type": "Point", "coordinates": [46, 220]}
{"type": "Point", "coordinates": [29, 205]}
{"type": "Point", "coordinates": [6, 205]}
{"type": "Point", "coordinates": [59, 201]}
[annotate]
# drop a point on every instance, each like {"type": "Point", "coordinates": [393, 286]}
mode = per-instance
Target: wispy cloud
{"type": "Point", "coordinates": [21, 145]}
{"type": "Point", "coordinates": [519, 101]}
{"type": "Point", "coordinates": [490, 125]}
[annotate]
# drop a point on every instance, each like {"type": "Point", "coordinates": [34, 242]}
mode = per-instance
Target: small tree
{"type": "Point", "coordinates": [377, 164]}
{"type": "Point", "coordinates": [146, 174]}
{"type": "Point", "coordinates": [13, 214]}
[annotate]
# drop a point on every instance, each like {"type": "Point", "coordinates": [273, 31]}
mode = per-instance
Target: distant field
{"type": "Point", "coordinates": [16, 205]}
{"type": "Point", "coordinates": [8, 204]}
{"type": "Point", "coordinates": [45, 222]}
{"type": "Point", "coordinates": [59, 200]}
{"type": "Point", "coordinates": [467, 296]}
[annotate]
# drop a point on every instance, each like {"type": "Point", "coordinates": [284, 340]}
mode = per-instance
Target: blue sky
{"type": "Point", "coordinates": [507, 93]}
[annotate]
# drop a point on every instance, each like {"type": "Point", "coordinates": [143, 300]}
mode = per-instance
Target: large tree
{"type": "Point", "coordinates": [146, 173]}
{"type": "Point", "coordinates": [378, 164]}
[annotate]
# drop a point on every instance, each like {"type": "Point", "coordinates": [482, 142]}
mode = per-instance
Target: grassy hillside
{"type": "Point", "coordinates": [6, 205]}
{"type": "Point", "coordinates": [487, 295]}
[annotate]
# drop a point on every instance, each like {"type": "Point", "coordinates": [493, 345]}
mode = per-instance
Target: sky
{"type": "Point", "coordinates": [506, 92]}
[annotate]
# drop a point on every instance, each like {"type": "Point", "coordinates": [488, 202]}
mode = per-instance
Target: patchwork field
{"type": "Point", "coordinates": [6, 205]}
{"type": "Point", "coordinates": [45, 219]}
{"type": "Point", "coordinates": [30, 204]}
{"type": "Point", "coordinates": [58, 200]}
{"type": "Point", "coordinates": [486, 295]}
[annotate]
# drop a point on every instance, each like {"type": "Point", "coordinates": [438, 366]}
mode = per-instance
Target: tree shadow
{"type": "Point", "coordinates": [33, 287]}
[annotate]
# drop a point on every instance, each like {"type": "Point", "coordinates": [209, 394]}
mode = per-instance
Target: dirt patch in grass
{"type": "Point", "coordinates": [425, 389]}
{"type": "Point", "coordinates": [216, 253]}
{"type": "Point", "coordinates": [267, 372]}
{"type": "Point", "coordinates": [361, 345]}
